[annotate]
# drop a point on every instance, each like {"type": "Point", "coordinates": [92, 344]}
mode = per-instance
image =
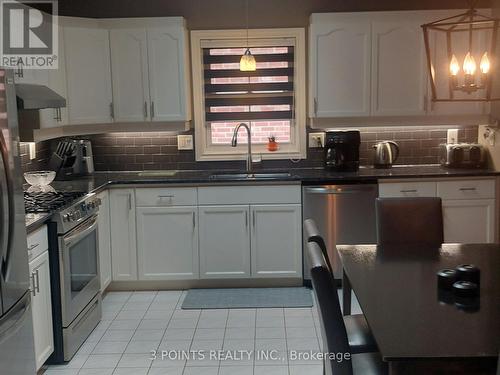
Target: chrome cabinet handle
{"type": "Point", "coordinates": [194, 220]}
{"type": "Point", "coordinates": [145, 109]}
{"type": "Point", "coordinates": [57, 114]}
{"type": "Point", "coordinates": [33, 284]}
{"type": "Point", "coordinates": [112, 110]}
{"type": "Point", "coordinates": [33, 246]}
{"type": "Point", "coordinates": [19, 71]}
{"type": "Point", "coordinates": [130, 201]}
{"type": "Point", "coordinates": [409, 191]}
{"type": "Point", "coordinates": [253, 220]}
{"type": "Point", "coordinates": [315, 106]}
{"type": "Point", "coordinates": [152, 109]}
{"type": "Point", "coordinates": [467, 189]}
{"type": "Point", "coordinates": [84, 230]}
{"type": "Point", "coordinates": [37, 277]}
{"type": "Point", "coordinates": [246, 220]}
{"type": "Point", "coordinates": [336, 191]}
{"type": "Point", "coordinates": [165, 199]}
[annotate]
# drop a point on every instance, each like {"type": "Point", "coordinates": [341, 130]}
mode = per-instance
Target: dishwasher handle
{"type": "Point", "coordinates": [339, 190]}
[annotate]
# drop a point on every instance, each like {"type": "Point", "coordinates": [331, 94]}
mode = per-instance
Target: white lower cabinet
{"type": "Point", "coordinates": [468, 206]}
{"type": "Point", "coordinates": [41, 308]}
{"type": "Point", "coordinates": [123, 234]}
{"type": "Point", "coordinates": [188, 233]}
{"type": "Point", "coordinates": [276, 240]}
{"type": "Point", "coordinates": [224, 241]}
{"type": "Point", "coordinates": [167, 243]}
{"type": "Point", "coordinates": [469, 221]}
{"type": "Point", "coordinates": [104, 229]}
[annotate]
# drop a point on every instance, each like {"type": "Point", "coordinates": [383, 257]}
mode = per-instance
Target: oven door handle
{"type": "Point", "coordinates": [81, 232]}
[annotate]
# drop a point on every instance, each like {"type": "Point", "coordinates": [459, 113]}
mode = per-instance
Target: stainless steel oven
{"type": "Point", "coordinates": [74, 266]}
{"type": "Point", "coordinates": [79, 268]}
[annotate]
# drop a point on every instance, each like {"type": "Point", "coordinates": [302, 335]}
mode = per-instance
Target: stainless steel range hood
{"type": "Point", "coordinates": [37, 97]}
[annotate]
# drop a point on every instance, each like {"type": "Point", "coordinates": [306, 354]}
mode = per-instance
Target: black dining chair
{"type": "Point", "coordinates": [409, 221]}
{"type": "Point", "coordinates": [359, 335]}
{"type": "Point", "coordinates": [333, 330]}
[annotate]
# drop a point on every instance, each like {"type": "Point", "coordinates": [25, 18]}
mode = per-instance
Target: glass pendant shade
{"type": "Point", "coordinates": [461, 56]}
{"type": "Point", "coordinates": [247, 62]}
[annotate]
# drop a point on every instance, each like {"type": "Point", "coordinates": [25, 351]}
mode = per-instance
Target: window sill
{"type": "Point", "coordinates": [243, 156]}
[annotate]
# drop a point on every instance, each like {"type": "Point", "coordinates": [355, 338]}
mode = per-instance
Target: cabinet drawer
{"type": "Point", "coordinates": [466, 189]}
{"type": "Point", "coordinates": [155, 197]}
{"type": "Point", "coordinates": [37, 242]}
{"type": "Point", "coordinates": [270, 194]}
{"type": "Point", "coordinates": [407, 189]}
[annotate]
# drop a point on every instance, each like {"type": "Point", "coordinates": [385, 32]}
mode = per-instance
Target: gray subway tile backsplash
{"type": "Point", "coordinates": [158, 150]}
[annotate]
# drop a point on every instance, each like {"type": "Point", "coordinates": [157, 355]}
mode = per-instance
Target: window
{"type": "Point", "coordinates": [270, 100]}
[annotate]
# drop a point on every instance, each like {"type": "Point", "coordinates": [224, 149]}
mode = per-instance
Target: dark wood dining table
{"type": "Point", "coordinates": [418, 327]}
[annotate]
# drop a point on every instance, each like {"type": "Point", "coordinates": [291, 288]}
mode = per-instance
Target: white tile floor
{"type": "Point", "coordinates": [136, 323]}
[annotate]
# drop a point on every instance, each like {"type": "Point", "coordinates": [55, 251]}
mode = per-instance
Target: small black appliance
{"type": "Point", "coordinates": [342, 150]}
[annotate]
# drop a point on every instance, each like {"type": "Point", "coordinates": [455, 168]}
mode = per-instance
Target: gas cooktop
{"type": "Point", "coordinates": [37, 202]}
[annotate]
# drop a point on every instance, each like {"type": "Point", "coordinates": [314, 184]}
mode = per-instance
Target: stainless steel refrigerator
{"type": "Point", "coordinates": [17, 355]}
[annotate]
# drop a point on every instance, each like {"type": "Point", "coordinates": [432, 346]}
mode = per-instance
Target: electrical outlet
{"type": "Point", "coordinates": [184, 142]}
{"type": "Point", "coordinates": [452, 136]}
{"type": "Point", "coordinates": [316, 140]}
{"type": "Point", "coordinates": [32, 150]}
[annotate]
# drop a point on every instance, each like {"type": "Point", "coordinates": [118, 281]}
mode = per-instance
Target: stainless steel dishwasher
{"type": "Point", "coordinates": [344, 214]}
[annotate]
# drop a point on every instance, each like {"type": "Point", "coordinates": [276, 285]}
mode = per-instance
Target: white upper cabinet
{"type": "Point", "coordinates": [374, 64]}
{"type": "Point", "coordinates": [88, 72]}
{"type": "Point", "coordinates": [339, 63]}
{"type": "Point", "coordinates": [398, 67]}
{"type": "Point", "coordinates": [150, 66]}
{"type": "Point", "coordinates": [129, 64]}
{"type": "Point", "coordinates": [31, 76]}
{"type": "Point", "coordinates": [168, 71]}
{"type": "Point", "coordinates": [56, 80]}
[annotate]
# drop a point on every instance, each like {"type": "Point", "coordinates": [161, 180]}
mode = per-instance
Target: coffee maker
{"type": "Point", "coordinates": [342, 150]}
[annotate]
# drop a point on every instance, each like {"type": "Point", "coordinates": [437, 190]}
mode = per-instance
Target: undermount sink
{"type": "Point", "coordinates": [250, 176]}
{"type": "Point", "coordinates": [166, 173]}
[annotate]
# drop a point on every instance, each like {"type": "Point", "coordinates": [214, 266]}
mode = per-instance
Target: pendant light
{"type": "Point", "coordinates": [247, 61]}
{"type": "Point", "coordinates": [461, 80]}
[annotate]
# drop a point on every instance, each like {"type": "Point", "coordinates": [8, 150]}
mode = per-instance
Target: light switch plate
{"type": "Point", "coordinates": [452, 136]}
{"type": "Point", "coordinates": [184, 142]}
{"type": "Point", "coordinates": [316, 140]}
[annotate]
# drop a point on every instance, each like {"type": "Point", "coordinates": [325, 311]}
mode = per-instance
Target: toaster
{"type": "Point", "coordinates": [462, 155]}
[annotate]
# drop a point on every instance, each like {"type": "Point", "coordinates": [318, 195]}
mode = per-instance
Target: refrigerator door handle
{"type": "Point", "coordinates": [13, 320]}
{"type": "Point", "coordinates": [6, 197]}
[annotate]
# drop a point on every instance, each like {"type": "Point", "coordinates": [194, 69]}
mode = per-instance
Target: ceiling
{"type": "Point", "coordinates": [214, 14]}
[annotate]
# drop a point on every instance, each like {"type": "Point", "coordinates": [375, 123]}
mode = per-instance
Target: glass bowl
{"type": "Point", "coordinates": [39, 178]}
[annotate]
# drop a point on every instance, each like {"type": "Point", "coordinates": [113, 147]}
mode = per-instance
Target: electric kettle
{"type": "Point", "coordinates": [386, 153]}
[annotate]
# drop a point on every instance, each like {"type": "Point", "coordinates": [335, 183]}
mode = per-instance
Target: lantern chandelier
{"type": "Point", "coordinates": [463, 39]}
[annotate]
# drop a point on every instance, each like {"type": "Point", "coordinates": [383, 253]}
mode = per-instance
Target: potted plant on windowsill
{"type": "Point", "coordinates": [272, 145]}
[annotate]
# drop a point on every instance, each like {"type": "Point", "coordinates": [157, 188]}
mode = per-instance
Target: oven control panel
{"type": "Point", "coordinates": [79, 211]}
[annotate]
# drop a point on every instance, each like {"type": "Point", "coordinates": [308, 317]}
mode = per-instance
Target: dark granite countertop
{"type": "Point", "coordinates": [101, 180]}
{"type": "Point", "coordinates": [35, 221]}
